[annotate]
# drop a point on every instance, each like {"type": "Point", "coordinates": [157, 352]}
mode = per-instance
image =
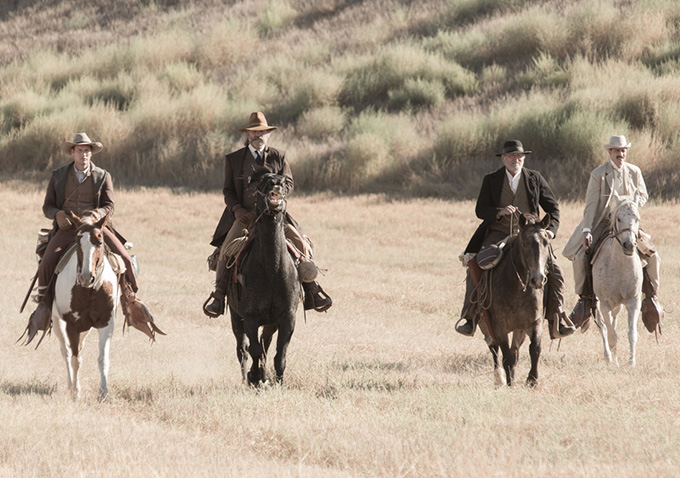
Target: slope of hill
{"type": "Point", "coordinates": [376, 95]}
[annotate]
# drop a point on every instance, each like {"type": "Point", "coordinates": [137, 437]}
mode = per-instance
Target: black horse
{"type": "Point", "coordinates": [514, 289]}
{"type": "Point", "coordinates": [267, 291]}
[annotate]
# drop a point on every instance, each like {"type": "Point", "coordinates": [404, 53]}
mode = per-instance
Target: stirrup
{"type": "Point", "coordinates": [555, 331]}
{"type": "Point", "coordinates": [323, 295]}
{"type": "Point", "coordinates": [213, 315]}
{"type": "Point", "coordinates": [465, 319]}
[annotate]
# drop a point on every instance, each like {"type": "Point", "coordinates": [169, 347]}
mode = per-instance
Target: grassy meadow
{"type": "Point", "coordinates": [371, 96]}
{"type": "Point", "coordinates": [380, 386]}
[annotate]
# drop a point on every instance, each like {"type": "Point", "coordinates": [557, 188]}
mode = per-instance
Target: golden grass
{"type": "Point", "coordinates": [379, 386]}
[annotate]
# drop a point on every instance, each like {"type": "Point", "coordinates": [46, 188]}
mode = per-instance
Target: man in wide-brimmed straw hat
{"type": "Point", "coordinates": [510, 190]}
{"type": "Point", "coordinates": [240, 199]}
{"type": "Point", "coordinates": [615, 176]}
{"type": "Point", "coordinates": [82, 189]}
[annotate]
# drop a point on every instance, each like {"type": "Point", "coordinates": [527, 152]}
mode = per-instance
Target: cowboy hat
{"type": "Point", "coordinates": [81, 138]}
{"type": "Point", "coordinates": [513, 146]}
{"type": "Point", "coordinates": [617, 142]}
{"type": "Point", "coordinates": [258, 122]}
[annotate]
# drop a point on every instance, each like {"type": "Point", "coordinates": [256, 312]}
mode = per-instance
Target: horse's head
{"type": "Point", "coordinates": [89, 248]}
{"type": "Point", "coordinates": [271, 192]}
{"type": "Point", "coordinates": [534, 243]}
{"type": "Point", "coordinates": [625, 222]}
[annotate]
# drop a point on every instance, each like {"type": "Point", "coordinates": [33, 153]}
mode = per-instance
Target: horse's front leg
{"type": "Point", "coordinates": [509, 360]}
{"type": "Point", "coordinates": [241, 343]}
{"type": "Point", "coordinates": [285, 334]}
{"type": "Point", "coordinates": [608, 334]}
{"type": "Point", "coordinates": [105, 335]}
{"type": "Point", "coordinates": [633, 315]}
{"type": "Point", "coordinates": [65, 346]}
{"type": "Point", "coordinates": [257, 374]}
{"type": "Point", "coordinates": [535, 353]}
{"type": "Point", "coordinates": [498, 373]}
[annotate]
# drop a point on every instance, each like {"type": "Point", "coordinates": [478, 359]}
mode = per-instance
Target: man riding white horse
{"type": "Point", "coordinates": [82, 189]}
{"type": "Point", "coordinates": [619, 177]}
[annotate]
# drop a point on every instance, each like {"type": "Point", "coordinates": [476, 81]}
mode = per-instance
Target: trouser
{"type": "Point", "coordinates": [59, 244]}
{"type": "Point", "coordinates": [582, 267]}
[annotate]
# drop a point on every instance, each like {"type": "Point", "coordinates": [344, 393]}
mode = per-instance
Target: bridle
{"type": "Point", "coordinates": [275, 195]}
{"type": "Point", "coordinates": [634, 230]}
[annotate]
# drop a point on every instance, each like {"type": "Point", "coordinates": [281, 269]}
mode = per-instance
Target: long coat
{"type": "Point", "coordinates": [235, 184]}
{"type": "Point", "coordinates": [598, 195]}
{"type": "Point", "coordinates": [487, 209]}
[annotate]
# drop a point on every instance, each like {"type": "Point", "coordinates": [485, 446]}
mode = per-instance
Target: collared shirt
{"type": "Point", "coordinates": [81, 175]}
{"type": "Point", "coordinates": [514, 180]}
{"type": "Point", "coordinates": [255, 152]}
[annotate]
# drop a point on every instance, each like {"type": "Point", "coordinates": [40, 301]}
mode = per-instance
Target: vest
{"type": "Point", "coordinates": [520, 200]}
{"type": "Point", "coordinates": [78, 197]}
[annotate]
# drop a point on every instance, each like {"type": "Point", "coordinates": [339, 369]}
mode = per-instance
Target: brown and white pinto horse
{"type": "Point", "coordinates": [86, 296]}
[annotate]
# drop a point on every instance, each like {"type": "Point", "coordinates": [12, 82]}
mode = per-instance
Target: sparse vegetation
{"type": "Point", "coordinates": [165, 84]}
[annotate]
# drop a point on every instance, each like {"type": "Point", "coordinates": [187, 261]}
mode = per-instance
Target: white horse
{"type": "Point", "coordinates": [617, 276]}
{"type": "Point", "coordinates": [86, 296]}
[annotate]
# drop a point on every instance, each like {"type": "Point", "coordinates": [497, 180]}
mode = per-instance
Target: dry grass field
{"type": "Point", "coordinates": [380, 386]}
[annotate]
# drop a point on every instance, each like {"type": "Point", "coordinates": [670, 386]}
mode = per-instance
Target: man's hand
{"type": "Point", "coordinates": [241, 214]}
{"type": "Point", "coordinates": [587, 240]}
{"type": "Point", "coordinates": [63, 221]}
{"type": "Point", "coordinates": [506, 211]}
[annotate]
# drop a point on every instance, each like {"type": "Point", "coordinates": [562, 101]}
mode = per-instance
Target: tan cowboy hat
{"type": "Point", "coordinates": [617, 142]}
{"type": "Point", "coordinates": [258, 122]}
{"type": "Point", "coordinates": [513, 146]}
{"type": "Point", "coordinates": [81, 138]}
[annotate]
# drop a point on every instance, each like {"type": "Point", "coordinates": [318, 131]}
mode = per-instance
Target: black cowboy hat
{"type": "Point", "coordinates": [513, 146]}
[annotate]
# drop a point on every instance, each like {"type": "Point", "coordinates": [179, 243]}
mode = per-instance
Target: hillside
{"type": "Point", "coordinates": [376, 95]}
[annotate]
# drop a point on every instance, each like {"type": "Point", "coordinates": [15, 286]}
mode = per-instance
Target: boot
{"type": "Point", "coordinates": [41, 319]}
{"type": "Point", "coordinates": [467, 327]}
{"type": "Point", "coordinates": [580, 316]}
{"type": "Point", "coordinates": [137, 314]}
{"type": "Point", "coordinates": [215, 304]}
{"type": "Point", "coordinates": [562, 327]}
{"type": "Point", "coordinates": [315, 297]}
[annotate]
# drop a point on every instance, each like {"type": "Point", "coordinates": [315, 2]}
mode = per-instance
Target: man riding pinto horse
{"type": "Point", "coordinates": [77, 190]}
{"type": "Point", "coordinates": [504, 194]}
{"type": "Point", "coordinates": [239, 215]}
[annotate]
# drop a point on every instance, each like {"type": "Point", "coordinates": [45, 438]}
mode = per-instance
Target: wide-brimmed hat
{"type": "Point", "coordinates": [258, 122]}
{"type": "Point", "coordinates": [617, 142]}
{"type": "Point", "coordinates": [81, 138]}
{"type": "Point", "coordinates": [513, 146]}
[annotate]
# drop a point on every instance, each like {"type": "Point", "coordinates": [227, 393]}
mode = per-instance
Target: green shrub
{"type": "Point", "coordinates": [276, 14]}
{"type": "Point", "coordinates": [417, 93]}
{"type": "Point", "coordinates": [320, 123]}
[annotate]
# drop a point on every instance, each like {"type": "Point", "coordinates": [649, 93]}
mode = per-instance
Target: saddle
{"type": "Point", "coordinates": [651, 310]}
{"type": "Point", "coordinates": [489, 257]}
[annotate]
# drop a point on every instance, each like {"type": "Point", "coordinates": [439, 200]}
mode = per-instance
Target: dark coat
{"type": "Point", "coordinates": [103, 194]}
{"type": "Point", "coordinates": [235, 183]}
{"type": "Point", "coordinates": [55, 195]}
{"type": "Point", "coordinates": [487, 209]}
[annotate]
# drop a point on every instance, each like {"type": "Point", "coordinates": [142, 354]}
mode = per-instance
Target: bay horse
{"type": "Point", "coordinates": [617, 275]}
{"type": "Point", "coordinates": [86, 295]}
{"type": "Point", "coordinates": [513, 296]}
{"type": "Point", "coordinates": [268, 291]}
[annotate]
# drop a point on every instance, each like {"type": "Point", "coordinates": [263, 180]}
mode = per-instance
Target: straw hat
{"type": "Point", "coordinates": [617, 142]}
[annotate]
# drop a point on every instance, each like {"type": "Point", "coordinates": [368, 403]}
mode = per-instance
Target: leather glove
{"type": "Point", "coordinates": [241, 214]}
{"type": "Point", "coordinates": [587, 240]}
{"type": "Point", "coordinates": [63, 221]}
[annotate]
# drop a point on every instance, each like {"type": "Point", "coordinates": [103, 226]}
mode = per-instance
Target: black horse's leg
{"type": "Point", "coordinates": [509, 360]}
{"type": "Point", "coordinates": [534, 352]}
{"type": "Point", "coordinates": [282, 341]}
{"type": "Point", "coordinates": [241, 342]}
{"type": "Point", "coordinates": [257, 374]}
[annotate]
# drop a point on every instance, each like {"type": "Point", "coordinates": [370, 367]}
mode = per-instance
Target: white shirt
{"type": "Point", "coordinates": [81, 175]}
{"type": "Point", "coordinates": [514, 180]}
{"type": "Point", "coordinates": [255, 152]}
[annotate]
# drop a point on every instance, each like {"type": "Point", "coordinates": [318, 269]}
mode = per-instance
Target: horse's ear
{"type": "Point", "coordinates": [546, 221]}
{"type": "Point", "coordinates": [103, 221]}
{"type": "Point", "coordinates": [75, 220]}
{"type": "Point", "coordinates": [523, 220]}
